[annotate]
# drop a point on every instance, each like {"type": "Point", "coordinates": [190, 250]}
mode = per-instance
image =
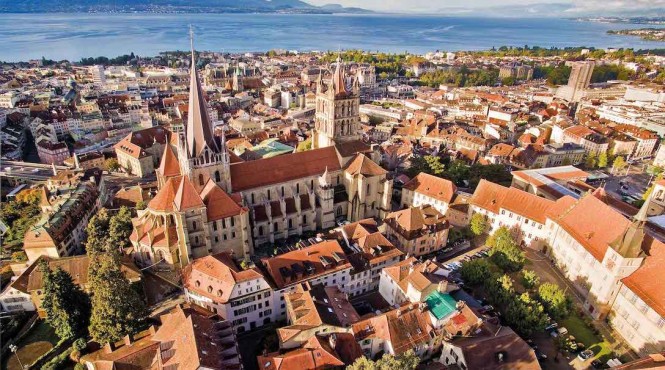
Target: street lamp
{"type": "Point", "coordinates": [14, 349]}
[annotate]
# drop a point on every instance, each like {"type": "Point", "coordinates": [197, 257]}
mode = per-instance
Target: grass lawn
{"type": "Point", "coordinates": [36, 343]}
{"type": "Point", "coordinates": [579, 329]}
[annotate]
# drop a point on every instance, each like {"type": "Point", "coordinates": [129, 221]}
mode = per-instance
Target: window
{"type": "Point", "coordinates": [304, 219]}
{"type": "Point", "coordinates": [298, 188]}
{"type": "Point", "coordinates": [218, 177]}
{"type": "Point", "coordinates": [268, 194]}
{"type": "Point", "coordinates": [261, 230]}
{"type": "Point", "coordinates": [233, 221]}
{"type": "Point", "coordinates": [201, 179]}
{"type": "Point", "coordinates": [223, 223]}
{"type": "Point", "coordinates": [214, 226]}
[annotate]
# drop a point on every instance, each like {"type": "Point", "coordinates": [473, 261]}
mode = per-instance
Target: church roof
{"type": "Point", "coordinates": [284, 168]}
{"type": "Point", "coordinates": [361, 164]}
{"type": "Point", "coordinates": [163, 201]}
{"type": "Point", "coordinates": [187, 197]}
{"type": "Point", "coordinates": [199, 126]}
{"type": "Point", "coordinates": [169, 166]}
{"type": "Point", "coordinates": [218, 203]}
{"type": "Point", "coordinates": [338, 83]}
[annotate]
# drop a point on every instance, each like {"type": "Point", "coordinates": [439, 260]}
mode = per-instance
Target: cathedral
{"type": "Point", "coordinates": [209, 203]}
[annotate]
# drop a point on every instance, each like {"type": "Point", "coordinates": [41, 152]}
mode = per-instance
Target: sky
{"type": "Point", "coordinates": [571, 7]}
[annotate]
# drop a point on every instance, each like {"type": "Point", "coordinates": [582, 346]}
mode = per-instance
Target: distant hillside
{"type": "Point", "coordinates": [171, 6]}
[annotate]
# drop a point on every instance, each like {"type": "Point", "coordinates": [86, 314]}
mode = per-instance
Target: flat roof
{"type": "Point", "coordinates": [441, 304]}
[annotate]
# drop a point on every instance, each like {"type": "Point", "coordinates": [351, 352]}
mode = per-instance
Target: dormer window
{"type": "Point", "coordinates": [209, 288]}
{"type": "Point", "coordinates": [197, 284]}
{"type": "Point", "coordinates": [219, 292]}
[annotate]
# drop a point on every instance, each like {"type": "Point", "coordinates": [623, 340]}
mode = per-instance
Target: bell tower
{"type": "Point", "coordinates": [337, 110]}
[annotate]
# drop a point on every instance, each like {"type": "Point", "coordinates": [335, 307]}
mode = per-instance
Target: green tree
{"type": "Point", "coordinates": [405, 361]}
{"type": "Point", "coordinates": [67, 307]}
{"type": "Point", "coordinates": [530, 279]}
{"type": "Point", "coordinates": [505, 253]}
{"type": "Point", "coordinates": [526, 315]}
{"type": "Point", "coordinates": [120, 228]}
{"type": "Point", "coordinates": [508, 81]}
{"type": "Point", "coordinates": [475, 272]}
{"type": "Point", "coordinates": [499, 289]}
{"type": "Point", "coordinates": [591, 160]}
{"type": "Point", "coordinates": [478, 224]}
{"type": "Point", "coordinates": [117, 309]}
{"type": "Point", "coordinates": [619, 163]}
{"type": "Point", "coordinates": [112, 164]}
{"type": "Point", "coordinates": [556, 303]}
{"type": "Point", "coordinates": [304, 145]}
{"type": "Point", "coordinates": [602, 160]}
{"type": "Point", "coordinates": [141, 205]}
{"type": "Point", "coordinates": [428, 164]}
{"type": "Point", "coordinates": [97, 231]}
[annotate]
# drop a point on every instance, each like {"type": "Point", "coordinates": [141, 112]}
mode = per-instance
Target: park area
{"type": "Point", "coordinates": [38, 341]}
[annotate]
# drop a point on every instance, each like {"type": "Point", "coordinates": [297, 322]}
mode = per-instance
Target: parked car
{"type": "Point", "coordinates": [585, 355]}
{"type": "Point", "coordinates": [551, 326]}
{"type": "Point", "coordinates": [558, 332]}
{"type": "Point", "coordinates": [540, 355]}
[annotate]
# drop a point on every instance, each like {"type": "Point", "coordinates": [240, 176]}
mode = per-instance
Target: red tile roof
{"type": "Point", "coordinates": [432, 186]}
{"type": "Point", "coordinates": [647, 281]}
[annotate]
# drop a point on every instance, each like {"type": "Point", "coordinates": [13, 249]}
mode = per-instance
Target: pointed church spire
{"type": "Point", "coordinates": [199, 127]}
{"type": "Point", "coordinates": [339, 86]}
{"type": "Point", "coordinates": [633, 241]}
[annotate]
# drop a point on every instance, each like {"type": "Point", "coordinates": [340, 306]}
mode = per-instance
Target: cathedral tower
{"type": "Point", "coordinates": [337, 110]}
{"type": "Point", "coordinates": [202, 156]}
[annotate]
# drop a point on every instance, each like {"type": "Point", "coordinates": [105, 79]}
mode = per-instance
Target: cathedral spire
{"type": "Point", "coordinates": [338, 84]}
{"type": "Point", "coordinates": [199, 126]}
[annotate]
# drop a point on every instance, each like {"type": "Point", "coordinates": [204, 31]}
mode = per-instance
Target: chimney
{"type": "Point", "coordinates": [127, 339]}
{"type": "Point", "coordinates": [152, 330]}
{"type": "Point", "coordinates": [108, 347]}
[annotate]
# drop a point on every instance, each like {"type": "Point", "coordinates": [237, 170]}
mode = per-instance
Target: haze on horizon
{"type": "Point", "coordinates": [543, 7]}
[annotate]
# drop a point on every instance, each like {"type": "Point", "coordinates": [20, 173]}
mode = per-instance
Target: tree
{"type": "Point", "coordinates": [405, 361]}
{"type": "Point", "coordinates": [505, 253]}
{"type": "Point", "coordinates": [120, 228]}
{"type": "Point", "coordinates": [556, 303]}
{"type": "Point", "coordinates": [619, 163]}
{"type": "Point", "coordinates": [526, 315]}
{"type": "Point", "coordinates": [67, 307]}
{"type": "Point", "coordinates": [304, 145]}
{"type": "Point", "coordinates": [141, 205]}
{"type": "Point", "coordinates": [508, 81]}
{"type": "Point", "coordinates": [499, 289]}
{"type": "Point", "coordinates": [428, 164]}
{"type": "Point", "coordinates": [478, 224]}
{"type": "Point", "coordinates": [117, 309]}
{"type": "Point", "coordinates": [602, 160]}
{"type": "Point", "coordinates": [476, 271]}
{"type": "Point", "coordinates": [112, 164]}
{"type": "Point", "coordinates": [97, 231]}
{"type": "Point", "coordinates": [591, 160]}
{"type": "Point", "coordinates": [529, 279]}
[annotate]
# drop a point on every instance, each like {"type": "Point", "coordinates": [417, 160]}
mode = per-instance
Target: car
{"type": "Point", "coordinates": [551, 326]}
{"type": "Point", "coordinates": [585, 355]}
{"type": "Point", "coordinates": [597, 364]}
{"type": "Point", "coordinates": [540, 355]}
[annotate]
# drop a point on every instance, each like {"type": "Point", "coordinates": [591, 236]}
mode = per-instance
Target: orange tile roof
{"type": "Point", "coordinates": [218, 203]}
{"type": "Point", "coordinates": [432, 186]}
{"type": "Point", "coordinates": [595, 233]}
{"type": "Point", "coordinates": [403, 327]}
{"type": "Point", "coordinates": [187, 197]}
{"type": "Point", "coordinates": [316, 354]}
{"type": "Point", "coordinates": [220, 273]}
{"type": "Point", "coordinates": [283, 168]}
{"type": "Point", "coordinates": [488, 195]}
{"type": "Point", "coordinates": [169, 165]}
{"type": "Point", "coordinates": [647, 281]}
{"type": "Point", "coordinates": [163, 200]}
{"type": "Point", "coordinates": [362, 165]}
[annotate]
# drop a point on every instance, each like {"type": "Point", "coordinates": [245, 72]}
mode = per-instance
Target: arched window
{"type": "Point", "coordinates": [201, 179]}
{"type": "Point", "coordinates": [260, 230]}
{"type": "Point", "coordinates": [218, 176]}
{"type": "Point", "coordinates": [193, 225]}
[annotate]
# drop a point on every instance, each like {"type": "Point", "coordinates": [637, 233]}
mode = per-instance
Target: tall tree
{"type": "Point", "coordinates": [505, 252]}
{"type": "Point", "coordinates": [67, 306]}
{"type": "Point", "coordinates": [602, 160]}
{"type": "Point", "coordinates": [97, 231]}
{"type": "Point", "coordinates": [556, 303]}
{"type": "Point", "coordinates": [405, 361]}
{"type": "Point", "coordinates": [525, 315]}
{"type": "Point", "coordinates": [476, 271]}
{"type": "Point", "coordinates": [478, 224]}
{"type": "Point", "coordinates": [591, 160]}
{"type": "Point", "coordinates": [117, 309]}
{"type": "Point", "coordinates": [120, 228]}
{"type": "Point", "coordinates": [619, 163]}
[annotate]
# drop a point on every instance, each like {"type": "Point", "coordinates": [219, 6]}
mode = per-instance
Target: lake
{"type": "Point", "coordinates": [72, 36]}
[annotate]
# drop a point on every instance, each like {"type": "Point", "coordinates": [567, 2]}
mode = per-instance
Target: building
{"type": "Point", "coordinates": [322, 351]}
{"type": "Point", "coordinates": [417, 231]}
{"type": "Point", "coordinates": [592, 142]}
{"type": "Point", "coordinates": [242, 297]}
{"type": "Point", "coordinates": [189, 338]}
{"type": "Point", "coordinates": [312, 310]}
{"type": "Point", "coordinates": [518, 210]}
{"type": "Point", "coordinates": [337, 110]}
{"type": "Point", "coordinates": [472, 343]}
{"type": "Point", "coordinates": [66, 209]}
{"type": "Point", "coordinates": [411, 281]}
{"type": "Point", "coordinates": [50, 152]}
{"type": "Point", "coordinates": [98, 77]}
{"type": "Point", "coordinates": [321, 263]}
{"type": "Point", "coordinates": [369, 253]}
{"type": "Point", "coordinates": [428, 189]}
{"type": "Point", "coordinates": [578, 82]}
{"type": "Point", "coordinates": [552, 182]}
{"type": "Point", "coordinates": [139, 152]}
{"type": "Point", "coordinates": [397, 331]}
{"type": "Point", "coordinates": [337, 181]}
{"type": "Point", "coordinates": [25, 292]}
